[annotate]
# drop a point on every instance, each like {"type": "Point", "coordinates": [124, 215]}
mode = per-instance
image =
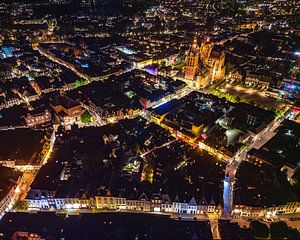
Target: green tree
{"type": "Point", "coordinates": [278, 230]}
{"type": "Point", "coordinates": [229, 68]}
{"type": "Point", "coordinates": [260, 229]}
{"type": "Point", "coordinates": [32, 75]}
{"type": "Point", "coordinates": [86, 117]}
{"type": "Point", "coordinates": [79, 83]}
{"type": "Point", "coordinates": [21, 205]}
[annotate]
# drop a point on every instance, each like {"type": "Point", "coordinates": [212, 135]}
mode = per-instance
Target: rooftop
{"type": "Point", "coordinates": [8, 180]}
{"type": "Point", "coordinates": [109, 226]}
{"type": "Point", "coordinates": [21, 144]}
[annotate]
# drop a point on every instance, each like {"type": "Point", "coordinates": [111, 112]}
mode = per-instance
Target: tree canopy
{"type": "Point", "coordinates": [86, 117]}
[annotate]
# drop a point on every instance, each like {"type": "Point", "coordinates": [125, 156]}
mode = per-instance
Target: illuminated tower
{"type": "Point", "coordinates": [217, 63]}
{"type": "Point", "coordinates": [205, 50]}
{"type": "Point", "coordinates": [192, 61]}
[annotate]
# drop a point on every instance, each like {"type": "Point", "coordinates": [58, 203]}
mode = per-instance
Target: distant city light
{"type": "Point", "coordinates": [126, 50]}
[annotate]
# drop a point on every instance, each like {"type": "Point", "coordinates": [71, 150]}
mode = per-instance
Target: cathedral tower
{"type": "Point", "coordinates": [192, 61]}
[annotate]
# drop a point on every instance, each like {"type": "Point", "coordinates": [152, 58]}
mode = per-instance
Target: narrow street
{"type": "Point", "coordinates": [162, 146]}
{"type": "Point", "coordinates": [214, 226]}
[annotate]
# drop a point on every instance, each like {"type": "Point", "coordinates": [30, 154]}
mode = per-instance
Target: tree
{"type": "Point", "coordinates": [32, 75]}
{"type": "Point", "coordinates": [293, 234]}
{"type": "Point", "coordinates": [260, 229]}
{"type": "Point", "coordinates": [278, 230]}
{"type": "Point", "coordinates": [229, 68]}
{"type": "Point", "coordinates": [79, 83]}
{"type": "Point", "coordinates": [21, 205]}
{"type": "Point", "coordinates": [86, 117]}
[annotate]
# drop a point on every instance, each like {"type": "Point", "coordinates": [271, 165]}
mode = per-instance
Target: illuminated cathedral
{"type": "Point", "coordinates": [204, 64]}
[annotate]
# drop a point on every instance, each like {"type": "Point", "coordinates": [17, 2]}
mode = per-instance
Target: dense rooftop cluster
{"type": "Point", "coordinates": [183, 108]}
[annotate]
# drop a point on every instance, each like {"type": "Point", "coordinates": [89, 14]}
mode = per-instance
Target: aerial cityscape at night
{"type": "Point", "coordinates": [149, 119]}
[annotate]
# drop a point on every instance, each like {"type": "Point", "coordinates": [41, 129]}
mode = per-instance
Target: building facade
{"type": "Point", "coordinates": [192, 61]}
{"type": "Point", "coordinates": [258, 80]}
{"type": "Point", "coordinates": [10, 191]}
{"type": "Point", "coordinates": [33, 120]}
{"type": "Point", "coordinates": [157, 203]}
